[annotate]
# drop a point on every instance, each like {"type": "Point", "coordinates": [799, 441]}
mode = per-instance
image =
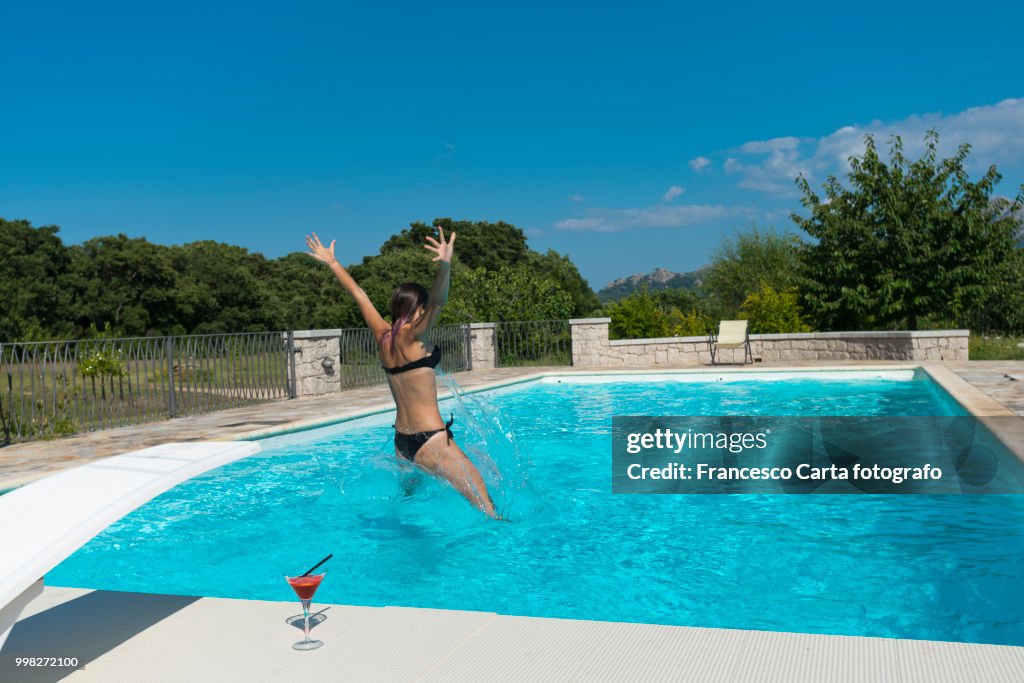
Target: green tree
{"type": "Point", "coordinates": [122, 282]}
{"type": "Point", "coordinates": [744, 264]}
{"type": "Point", "coordinates": [770, 311]}
{"type": "Point", "coordinates": [222, 288]}
{"type": "Point", "coordinates": [303, 294]}
{"type": "Point", "coordinates": [511, 293]}
{"type": "Point", "coordinates": [680, 298]}
{"type": "Point", "coordinates": [694, 323]}
{"type": "Point", "coordinates": [133, 287]}
{"type": "Point", "coordinates": [478, 245]}
{"type": "Point", "coordinates": [637, 316]}
{"type": "Point", "coordinates": [493, 257]}
{"type": "Point", "coordinates": [379, 275]}
{"type": "Point", "coordinates": [559, 268]}
{"type": "Point", "coordinates": [33, 271]}
{"type": "Point", "coordinates": [905, 242]}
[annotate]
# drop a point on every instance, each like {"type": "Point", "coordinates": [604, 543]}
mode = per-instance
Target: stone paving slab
{"type": "Point", "coordinates": [143, 637]}
{"type": "Point", "coordinates": [995, 378]}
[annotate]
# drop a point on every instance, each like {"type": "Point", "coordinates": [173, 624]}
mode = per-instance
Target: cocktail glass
{"type": "Point", "coordinates": [305, 587]}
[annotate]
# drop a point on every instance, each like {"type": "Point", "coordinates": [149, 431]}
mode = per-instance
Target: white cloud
{"type": "Point", "coordinates": [995, 132]}
{"type": "Point", "coordinates": [672, 192]}
{"type": "Point", "coordinates": [773, 145]}
{"type": "Point", "coordinates": [700, 163]}
{"type": "Point", "coordinates": [660, 216]}
{"type": "Point", "coordinates": [576, 198]}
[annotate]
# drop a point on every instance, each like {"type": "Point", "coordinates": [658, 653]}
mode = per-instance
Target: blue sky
{"type": "Point", "coordinates": [253, 123]}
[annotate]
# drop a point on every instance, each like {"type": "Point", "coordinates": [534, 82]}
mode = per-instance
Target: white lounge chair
{"type": "Point", "coordinates": [43, 523]}
{"type": "Point", "coordinates": [732, 334]}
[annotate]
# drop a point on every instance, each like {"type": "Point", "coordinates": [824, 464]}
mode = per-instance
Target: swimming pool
{"type": "Point", "coordinates": [931, 567]}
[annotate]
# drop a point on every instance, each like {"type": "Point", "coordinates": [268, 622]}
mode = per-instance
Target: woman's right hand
{"type": "Point", "coordinates": [319, 251]}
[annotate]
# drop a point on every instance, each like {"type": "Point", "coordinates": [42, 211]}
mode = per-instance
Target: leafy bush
{"type": "Point", "coordinates": [741, 265]}
{"type": "Point", "coordinates": [770, 311]}
{"type": "Point", "coordinates": [637, 316]}
{"type": "Point", "coordinates": [692, 324]}
{"type": "Point", "coordinates": [101, 362]}
{"type": "Point", "coordinates": [509, 293]}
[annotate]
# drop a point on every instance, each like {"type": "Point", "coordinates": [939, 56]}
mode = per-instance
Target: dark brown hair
{"type": "Point", "coordinates": [406, 299]}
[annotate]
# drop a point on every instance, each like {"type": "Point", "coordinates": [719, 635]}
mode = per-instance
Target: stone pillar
{"type": "Point", "coordinates": [317, 362]}
{"type": "Point", "coordinates": [483, 347]}
{"type": "Point", "coordinates": [959, 346]}
{"type": "Point", "coordinates": [590, 344]}
{"type": "Point", "coordinates": [940, 345]}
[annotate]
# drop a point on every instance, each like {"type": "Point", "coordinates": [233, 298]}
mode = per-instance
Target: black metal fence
{"type": "Point", "coordinates": [360, 359]}
{"type": "Point", "coordinates": [50, 389]}
{"type": "Point", "coordinates": [533, 342]}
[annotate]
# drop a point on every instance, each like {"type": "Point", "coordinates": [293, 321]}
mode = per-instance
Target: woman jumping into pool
{"type": "Point", "coordinates": [421, 435]}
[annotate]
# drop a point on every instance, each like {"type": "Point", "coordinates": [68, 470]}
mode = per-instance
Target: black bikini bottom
{"type": "Point", "coordinates": [409, 444]}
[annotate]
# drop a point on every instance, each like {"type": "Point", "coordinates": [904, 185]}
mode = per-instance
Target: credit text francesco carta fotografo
{"type": "Point", "coordinates": [748, 443]}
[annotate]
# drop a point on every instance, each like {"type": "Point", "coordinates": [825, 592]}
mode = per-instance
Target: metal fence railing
{"type": "Point", "coordinates": [59, 388]}
{"type": "Point", "coordinates": [533, 342]}
{"type": "Point", "coordinates": [360, 358]}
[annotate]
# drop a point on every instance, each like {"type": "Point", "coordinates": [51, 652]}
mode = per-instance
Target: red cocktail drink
{"type": "Point", "coordinates": [305, 587]}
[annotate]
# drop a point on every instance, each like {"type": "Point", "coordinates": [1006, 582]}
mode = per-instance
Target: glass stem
{"type": "Point", "coordinates": [305, 613]}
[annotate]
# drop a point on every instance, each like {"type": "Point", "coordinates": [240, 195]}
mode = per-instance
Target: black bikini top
{"type": "Point", "coordinates": [429, 361]}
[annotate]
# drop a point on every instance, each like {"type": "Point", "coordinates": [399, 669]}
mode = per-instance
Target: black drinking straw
{"type": "Point", "coordinates": [318, 564]}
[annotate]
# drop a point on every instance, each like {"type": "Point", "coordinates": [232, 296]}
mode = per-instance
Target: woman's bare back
{"type": "Point", "coordinates": [414, 391]}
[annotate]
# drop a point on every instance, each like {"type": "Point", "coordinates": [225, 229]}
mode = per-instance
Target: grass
{"type": "Point", "coordinates": [522, 360]}
{"type": "Point", "coordinates": [996, 347]}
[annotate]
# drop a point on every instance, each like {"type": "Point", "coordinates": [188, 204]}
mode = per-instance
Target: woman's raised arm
{"type": "Point", "coordinates": [439, 292]}
{"type": "Point", "coordinates": [373, 318]}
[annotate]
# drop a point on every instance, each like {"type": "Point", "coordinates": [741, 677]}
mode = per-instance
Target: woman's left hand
{"type": "Point", "coordinates": [443, 249]}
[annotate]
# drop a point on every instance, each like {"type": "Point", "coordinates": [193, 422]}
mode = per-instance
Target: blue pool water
{"type": "Point", "coordinates": [932, 567]}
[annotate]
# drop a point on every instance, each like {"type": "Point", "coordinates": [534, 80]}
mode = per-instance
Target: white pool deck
{"type": "Point", "coordinates": [140, 637]}
{"type": "Point", "coordinates": [44, 522]}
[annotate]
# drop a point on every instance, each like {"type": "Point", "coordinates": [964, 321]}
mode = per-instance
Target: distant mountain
{"type": "Point", "coordinates": [659, 279]}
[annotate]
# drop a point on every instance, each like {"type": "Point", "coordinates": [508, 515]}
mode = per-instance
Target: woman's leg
{"type": "Point", "coordinates": [443, 458]}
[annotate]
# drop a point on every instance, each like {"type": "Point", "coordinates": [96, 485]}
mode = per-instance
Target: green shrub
{"type": "Point", "coordinates": [692, 324]}
{"type": "Point", "coordinates": [101, 362]}
{"type": "Point", "coordinates": [770, 311]}
{"type": "Point", "coordinates": [637, 316]}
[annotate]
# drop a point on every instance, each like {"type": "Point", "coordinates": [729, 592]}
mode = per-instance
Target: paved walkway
{"type": "Point", "coordinates": [996, 378]}
{"type": "Point", "coordinates": [142, 637]}
{"type": "Point", "coordinates": [21, 463]}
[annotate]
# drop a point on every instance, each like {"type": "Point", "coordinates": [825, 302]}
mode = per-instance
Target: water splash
{"type": "Point", "coordinates": [360, 480]}
{"type": "Point", "coordinates": [489, 441]}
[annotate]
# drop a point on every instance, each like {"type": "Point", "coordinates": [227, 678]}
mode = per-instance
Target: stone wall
{"type": "Point", "coordinates": [592, 348]}
{"type": "Point", "coordinates": [317, 362]}
{"type": "Point", "coordinates": [482, 347]}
